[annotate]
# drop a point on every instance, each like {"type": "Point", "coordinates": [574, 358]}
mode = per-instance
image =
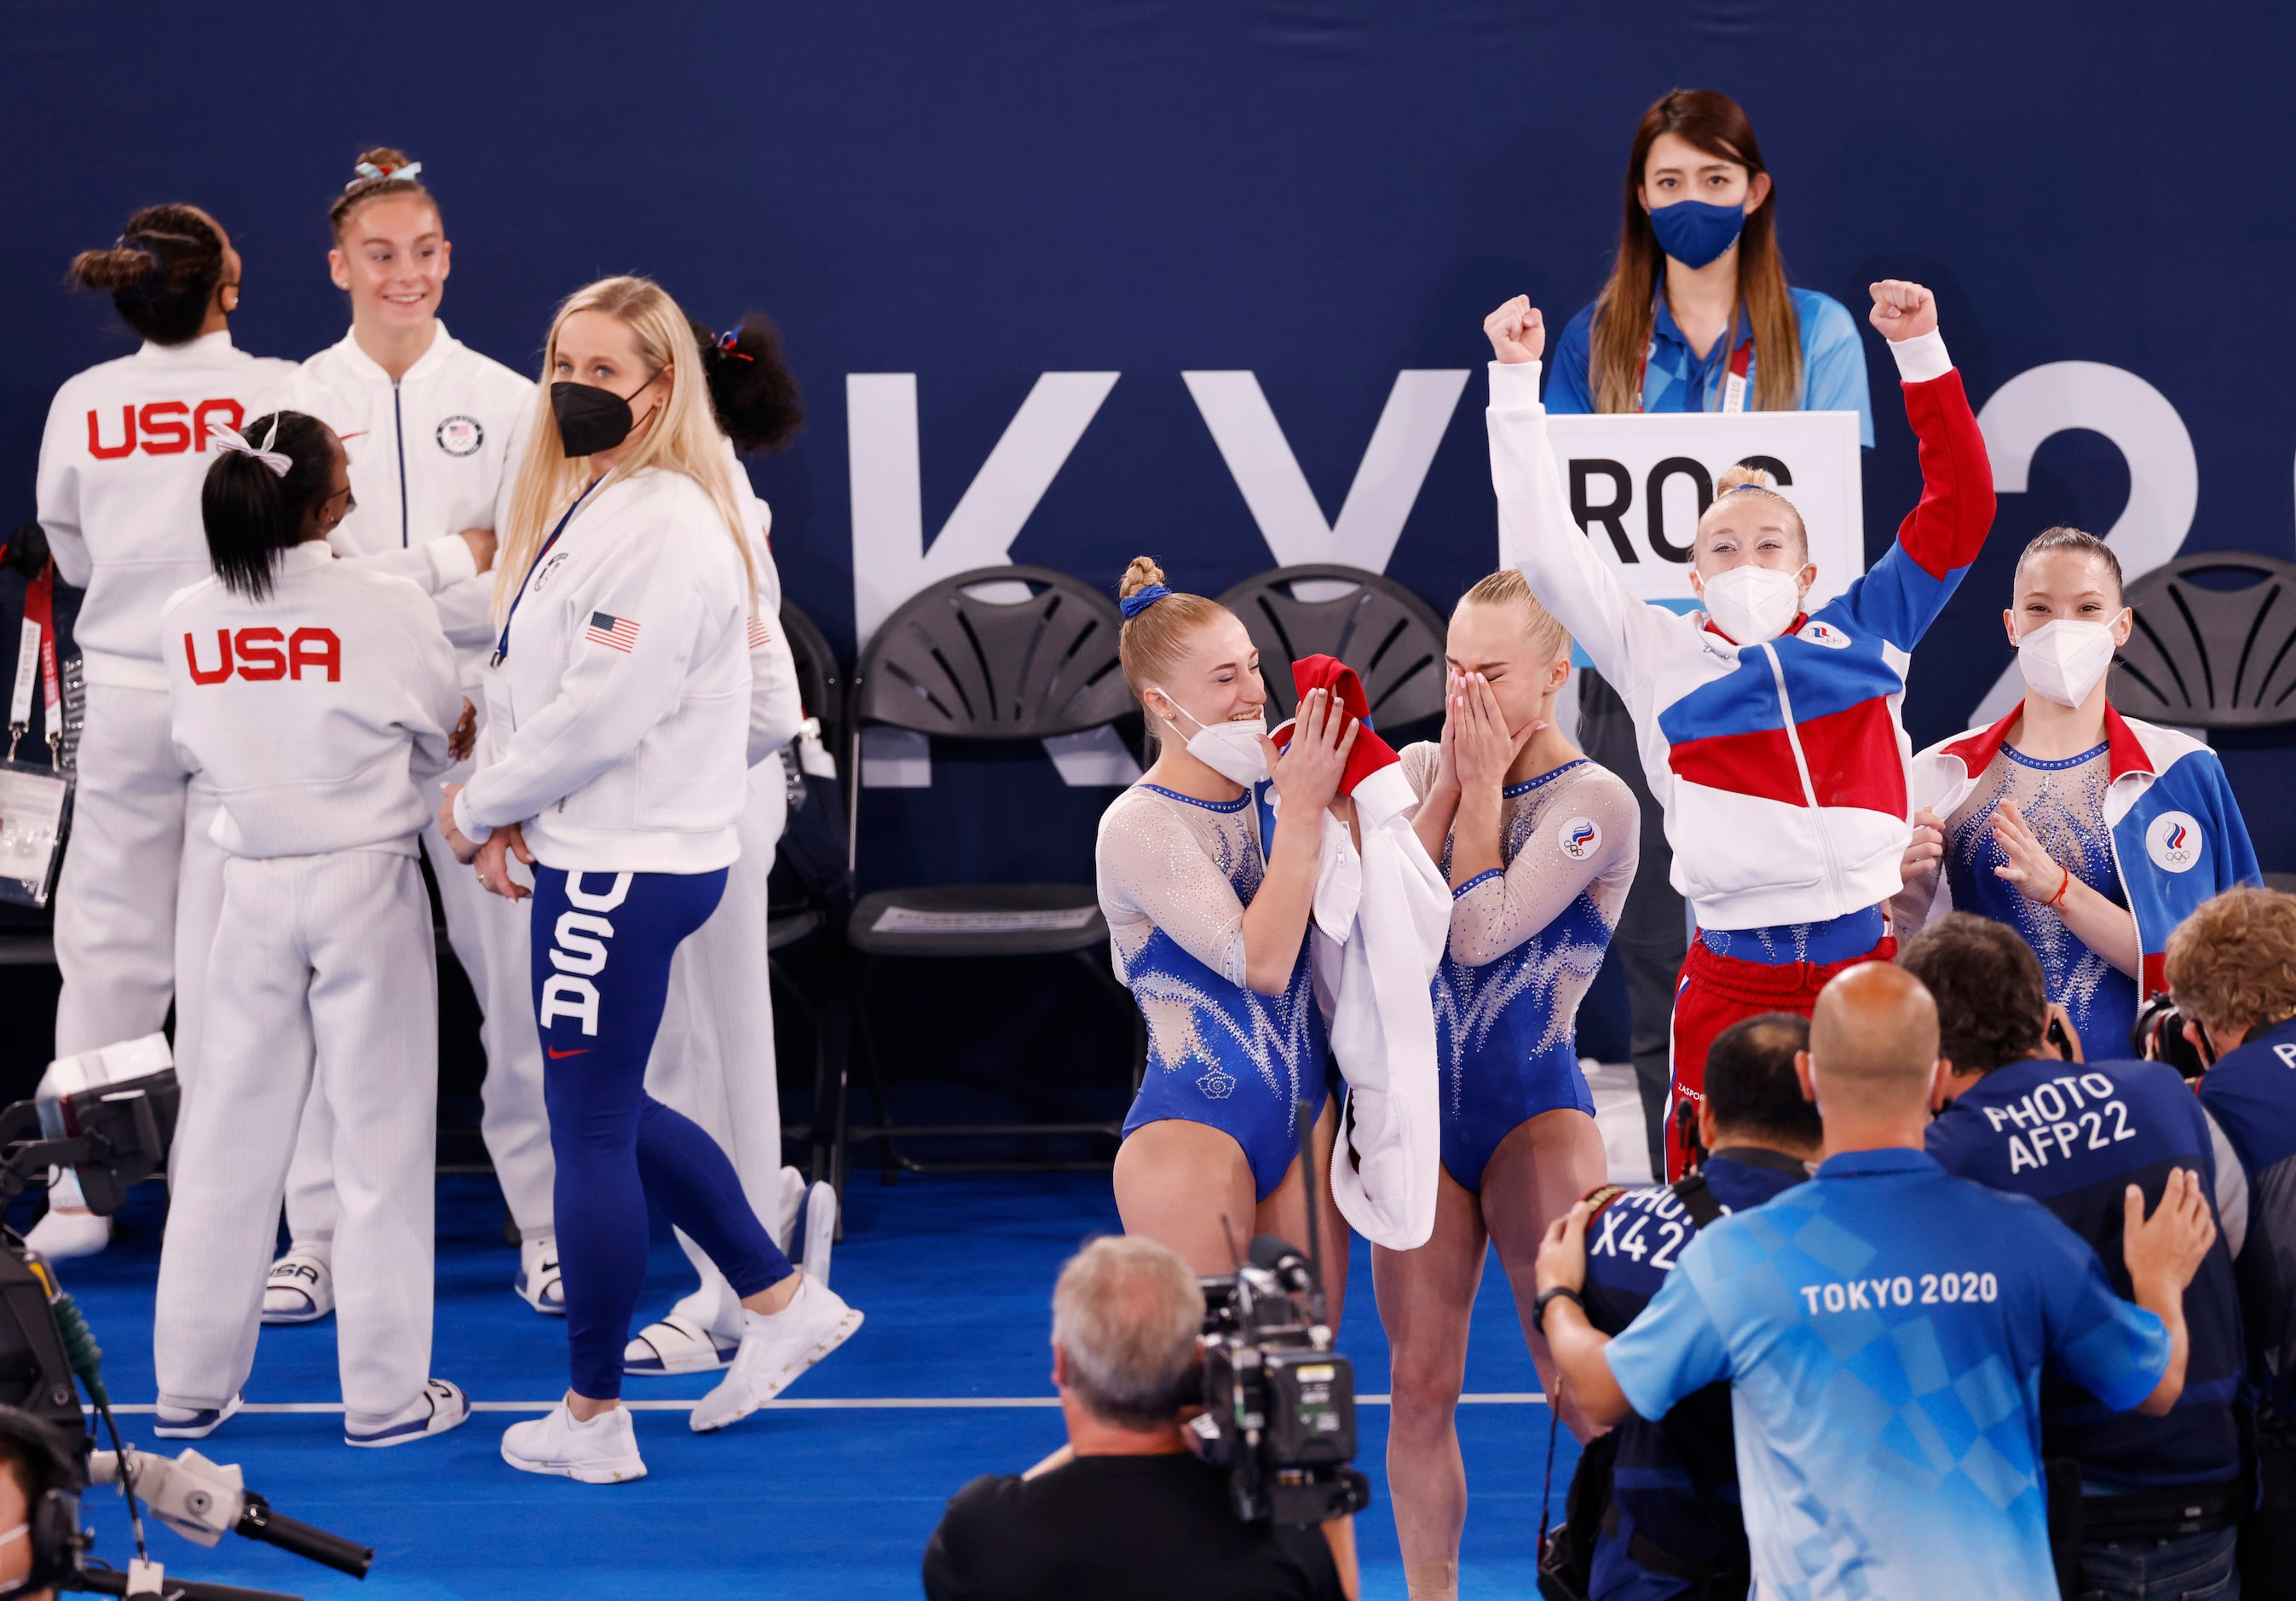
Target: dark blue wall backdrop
{"type": "Point", "coordinates": [1322, 193]}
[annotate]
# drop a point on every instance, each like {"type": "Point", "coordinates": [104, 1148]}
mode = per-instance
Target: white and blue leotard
{"type": "Point", "coordinates": [1525, 943]}
{"type": "Point", "coordinates": [1175, 875]}
{"type": "Point", "coordinates": [2063, 804]}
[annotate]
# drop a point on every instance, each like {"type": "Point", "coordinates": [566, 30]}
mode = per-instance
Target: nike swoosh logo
{"type": "Point", "coordinates": [555, 1054]}
{"type": "Point", "coordinates": [360, 435]}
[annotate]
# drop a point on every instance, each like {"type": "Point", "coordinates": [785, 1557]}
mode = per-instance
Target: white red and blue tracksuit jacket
{"type": "Point", "coordinates": [2177, 837]}
{"type": "Point", "coordinates": [1781, 765]}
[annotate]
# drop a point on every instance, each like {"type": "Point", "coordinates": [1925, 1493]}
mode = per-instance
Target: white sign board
{"type": "Point", "coordinates": [1638, 482]}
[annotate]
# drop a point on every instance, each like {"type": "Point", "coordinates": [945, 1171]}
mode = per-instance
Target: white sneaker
{"type": "Point", "coordinates": [820, 1231]}
{"type": "Point", "coordinates": [676, 1344]}
{"type": "Point", "coordinates": [442, 1406]}
{"type": "Point", "coordinates": [192, 1423]}
{"type": "Point", "coordinates": [64, 1233]}
{"type": "Point", "coordinates": [776, 1348]}
{"type": "Point", "coordinates": [538, 1284]}
{"type": "Point", "coordinates": [604, 1451]}
{"type": "Point", "coordinates": [792, 1197]}
{"type": "Point", "coordinates": [300, 1288]}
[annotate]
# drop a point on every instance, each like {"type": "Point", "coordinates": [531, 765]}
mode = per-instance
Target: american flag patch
{"type": "Point", "coordinates": [615, 633]}
{"type": "Point", "coordinates": [760, 636]}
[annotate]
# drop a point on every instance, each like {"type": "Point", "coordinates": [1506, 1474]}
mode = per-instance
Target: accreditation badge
{"type": "Point", "coordinates": [34, 818]}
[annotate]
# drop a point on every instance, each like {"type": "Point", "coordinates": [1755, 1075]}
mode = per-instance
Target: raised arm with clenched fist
{"type": "Point", "coordinates": [1517, 332]}
{"type": "Point", "coordinates": [1902, 311]}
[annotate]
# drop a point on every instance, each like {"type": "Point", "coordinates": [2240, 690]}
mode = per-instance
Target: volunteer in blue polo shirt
{"type": "Point", "coordinates": [2160, 1497]}
{"type": "Point", "coordinates": [1697, 315]}
{"type": "Point", "coordinates": [1668, 1523]}
{"type": "Point", "coordinates": [2232, 968]}
{"type": "Point", "coordinates": [1883, 1328]}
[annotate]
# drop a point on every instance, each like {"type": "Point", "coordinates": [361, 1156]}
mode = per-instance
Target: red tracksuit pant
{"type": "Point", "coordinates": [1716, 991]}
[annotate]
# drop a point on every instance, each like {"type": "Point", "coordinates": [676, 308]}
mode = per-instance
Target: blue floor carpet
{"type": "Point", "coordinates": [955, 1275]}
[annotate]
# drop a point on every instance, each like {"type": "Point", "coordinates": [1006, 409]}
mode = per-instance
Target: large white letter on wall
{"type": "Point", "coordinates": [1387, 479]}
{"type": "Point", "coordinates": [2164, 476]}
{"type": "Point", "coordinates": [890, 559]}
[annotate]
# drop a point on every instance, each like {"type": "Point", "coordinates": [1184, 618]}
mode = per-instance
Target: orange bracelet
{"type": "Point", "coordinates": [2059, 897]}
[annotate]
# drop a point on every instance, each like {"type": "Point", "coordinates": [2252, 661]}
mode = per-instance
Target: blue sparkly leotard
{"type": "Point", "coordinates": [2063, 804]}
{"type": "Point", "coordinates": [1175, 874]}
{"type": "Point", "coordinates": [1525, 943]}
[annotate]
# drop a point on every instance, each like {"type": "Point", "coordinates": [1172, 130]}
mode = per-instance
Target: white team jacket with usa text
{"type": "Point", "coordinates": [126, 447]}
{"type": "Point", "coordinates": [620, 711]}
{"type": "Point", "coordinates": [317, 713]}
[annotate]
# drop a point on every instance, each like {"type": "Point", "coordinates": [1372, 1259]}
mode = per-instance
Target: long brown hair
{"type": "Point", "coordinates": [1713, 122]}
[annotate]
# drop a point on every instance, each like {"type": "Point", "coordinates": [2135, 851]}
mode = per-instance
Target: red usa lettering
{"type": "Point", "coordinates": [162, 427]}
{"type": "Point", "coordinates": [257, 655]}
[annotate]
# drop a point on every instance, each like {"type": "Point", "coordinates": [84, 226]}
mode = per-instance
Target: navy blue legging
{"type": "Point", "coordinates": [602, 948]}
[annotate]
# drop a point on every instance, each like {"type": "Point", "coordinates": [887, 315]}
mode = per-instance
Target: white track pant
{"type": "Point", "coordinates": [141, 884]}
{"type": "Point", "coordinates": [325, 967]}
{"type": "Point", "coordinates": [489, 937]}
{"type": "Point", "coordinates": [713, 1057]}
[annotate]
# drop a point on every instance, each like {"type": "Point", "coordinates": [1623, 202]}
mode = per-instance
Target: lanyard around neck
{"type": "Point", "coordinates": [502, 645]}
{"type": "Point", "coordinates": [36, 643]}
{"type": "Point", "coordinates": [1733, 387]}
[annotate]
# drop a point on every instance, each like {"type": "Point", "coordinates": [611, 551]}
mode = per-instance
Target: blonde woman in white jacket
{"type": "Point", "coordinates": [614, 763]}
{"type": "Point", "coordinates": [433, 430]}
{"type": "Point", "coordinates": [126, 445]}
{"type": "Point", "coordinates": [714, 1057]}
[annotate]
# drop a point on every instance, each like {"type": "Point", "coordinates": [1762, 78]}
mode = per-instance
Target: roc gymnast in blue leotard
{"type": "Point", "coordinates": [1207, 875]}
{"type": "Point", "coordinates": [1539, 846]}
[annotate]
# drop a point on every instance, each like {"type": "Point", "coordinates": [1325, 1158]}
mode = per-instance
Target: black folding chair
{"type": "Point", "coordinates": [962, 660]}
{"type": "Point", "coordinates": [2214, 645]}
{"type": "Point", "coordinates": [1392, 638]}
{"type": "Point", "coordinates": [812, 889]}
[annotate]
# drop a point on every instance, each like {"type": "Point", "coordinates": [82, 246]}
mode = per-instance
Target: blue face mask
{"type": "Point", "coordinates": [1696, 232]}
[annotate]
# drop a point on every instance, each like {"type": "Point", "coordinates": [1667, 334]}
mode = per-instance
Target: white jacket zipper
{"type": "Point", "coordinates": [1801, 766]}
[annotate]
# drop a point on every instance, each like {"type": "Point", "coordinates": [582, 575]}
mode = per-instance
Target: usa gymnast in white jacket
{"type": "Point", "coordinates": [318, 700]}
{"type": "Point", "coordinates": [127, 445]}
{"type": "Point", "coordinates": [714, 1057]}
{"type": "Point", "coordinates": [431, 428]}
{"type": "Point", "coordinates": [615, 764]}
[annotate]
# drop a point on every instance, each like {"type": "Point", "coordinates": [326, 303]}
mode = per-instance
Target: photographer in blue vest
{"type": "Point", "coordinates": [1696, 316]}
{"type": "Point", "coordinates": [2232, 969]}
{"type": "Point", "coordinates": [2159, 1496]}
{"type": "Point", "coordinates": [1655, 1505]}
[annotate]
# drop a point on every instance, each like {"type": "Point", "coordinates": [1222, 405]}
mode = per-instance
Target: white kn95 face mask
{"type": "Point", "coordinates": [1230, 748]}
{"type": "Point", "coordinates": [1751, 604]}
{"type": "Point", "coordinates": [2063, 661]}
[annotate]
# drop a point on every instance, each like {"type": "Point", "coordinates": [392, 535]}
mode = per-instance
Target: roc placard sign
{"type": "Point", "coordinates": [1638, 483]}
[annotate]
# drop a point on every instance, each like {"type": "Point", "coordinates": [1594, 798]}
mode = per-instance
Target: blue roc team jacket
{"type": "Point", "coordinates": [2177, 837]}
{"type": "Point", "coordinates": [2073, 1138]}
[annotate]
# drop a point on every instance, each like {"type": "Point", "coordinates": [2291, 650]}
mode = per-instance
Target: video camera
{"type": "Point", "coordinates": [1279, 1401]}
{"type": "Point", "coordinates": [112, 1122]}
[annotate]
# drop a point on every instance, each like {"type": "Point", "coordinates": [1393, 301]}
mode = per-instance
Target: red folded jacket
{"type": "Point", "coordinates": [1370, 753]}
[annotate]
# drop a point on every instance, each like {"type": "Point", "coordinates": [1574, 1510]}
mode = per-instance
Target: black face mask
{"type": "Point", "coordinates": [590, 419]}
